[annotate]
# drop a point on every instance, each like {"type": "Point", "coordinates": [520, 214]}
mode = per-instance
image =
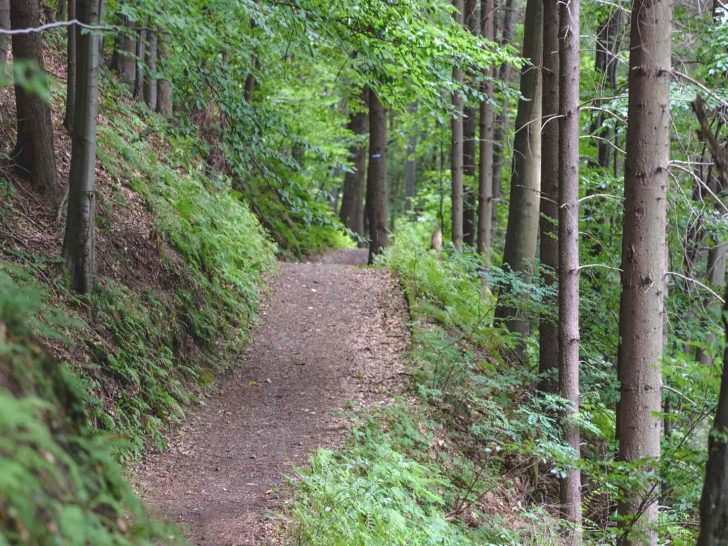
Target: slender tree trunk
{"type": "Point", "coordinates": [150, 83]}
{"type": "Point", "coordinates": [523, 211]}
{"type": "Point", "coordinates": [71, 69]}
{"type": "Point", "coordinates": [123, 60]}
{"type": "Point", "coordinates": [569, 61]}
{"type": "Point", "coordinates": [714, 500]}
{"type": "Point", "coordinates": [549, 244]}
{"type": "Point", "coordinates": [470, 21]}
{"type": "Point", "coordinates": [33, 153]}
{"type": "Point", "coordinates": [164, 87]}
{"type": "Point", "coordinates": [352, 201]}
{"type": "Point", "coordinates": [249, 85]}
{"type": "Point", "coordinates": [606, 62]}
{"type": "Point", "coordinates": [505, 74]}
{"type": "Point", "coordinates": [4, 41]}
{"type": "Point", "coordinates": [141, 46]}
{"type": "Point", "coordinates": [410, 172]}
{"type": "Point", "coordinates": [716, 278]}
{"type": "Point", "coordinates": [60, 10]}
{"type": "Point", "coordinates": [377, 177]}
{"type": "Point", "coordinates": [644, 262]}
{"type": "Point", "coordinates": [456, 148]}
{"type": "Point", "coordinates": [79, 239]}
{"type": "Point", "coordinates": [485, 164]}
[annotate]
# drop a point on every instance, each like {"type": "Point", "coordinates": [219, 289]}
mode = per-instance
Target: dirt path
{"type": "Point", "coordinates": [331, 333]}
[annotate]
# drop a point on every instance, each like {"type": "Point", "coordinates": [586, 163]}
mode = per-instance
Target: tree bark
{"type": "Point", "coordinates": [470, 21]}
{"type": "Point", "coordinates": [123, 60]}
{"type": "Point", "coordinates": [377, 177]}
{"type": "Point", "coordinates": [485, 164]}
{"type": "Point", "coordinates": [150, 59]}
{"type": "Point", "coordinates": [505, 75]}
{"type": "Point", "coordinates": [549, 244]}
{"type": "Point", "coordinates": [164, 86]}
{"type": "Point", "coordinates": [141, 46]}
{"type": "Point", "coordinates": [71, 69]}
{"type": "Point", "coordinates": [352, 201]}
{"type": "Point", "coordinates": [79, 239]}
{"type": "Point", "coordinates": [410, 171]}
{"type": "Point", "coordinates": [523, 211]}
{"type": "Point", "coordinates": [644, 262]}
{"type": "Point", "coordinates": [569, 64]}
{"type": "Point", "coordinates": [606, 62]}
{"type": "Point", "coordinates": [4, 42]}
{"type": "Point", "coordinates": [714, 499]}
{"type": "Point", "coordinates": [456, 148]}
{"type": "Point", "coordinates": [33, 154]}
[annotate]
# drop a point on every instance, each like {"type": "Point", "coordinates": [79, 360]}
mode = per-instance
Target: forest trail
{"type": "Point", "coordinates": [330, 333]}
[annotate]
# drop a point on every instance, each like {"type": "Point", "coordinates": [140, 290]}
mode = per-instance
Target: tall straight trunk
{"type": "Point", "coordinates": [123, 60]}
{"type": "Point", "coordinates": [470, 21]}
{"type": "Point", "coordinates": [33, 153]}
{"type": "Point", "coordinates": [150, 59]}
{"type": "Point", "coordinates": [606, 62]}
{"type": "Point", "coordinates": [60, 10]}
{"type": "Point", "coordinates": [505, 75]}
{"type": "Point", "coordinates": [569, 52]}
{"type": "Point", "coordinates": [548, 356]}
{"type": "Point", "coordinates": [71, 69]}
{"type": "Point", "coordinates": [714, 500]}
{"type": "Point", "coordinates": [79, 239]}
{"type": "Point", "coordinates": [4, 41]}
{"type": "Point", "coordinates": [249, 85]}
{"type": "Point", "coordinates": [164, 86]}
{"type": "Point", "coordinates": [523, 211]}
{"type": "Point", "coordinates": [716, 278]}
{"type": "Point", "coordinates": [410, 174]}
{"type": "Point", "coordinates": [485, 164]}
{"type": "Point", "coordinates": [456, 147]}
{"type": "Point", "coordinates": [644, 263]}
{"type": "Point", "coordinates": [141, 46]}
{"type": "Point", "coordinates": [377, 177]}
{"type": "Point", "coordinates": [352, 201]}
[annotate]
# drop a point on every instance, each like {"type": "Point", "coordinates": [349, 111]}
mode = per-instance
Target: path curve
{"type": "Point", "coordinates": [331, 333]}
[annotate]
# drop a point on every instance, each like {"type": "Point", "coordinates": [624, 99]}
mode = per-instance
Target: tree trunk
{"type": "Point", "coordinates": [569, 64]}
{"type": "Point", "coordinates": [505, 75]}
{"type": "Point", "coordinates": [456, 148]}
{"type": "Point", "coordinates": [644, 262]}
{"type": "Point", "coordinates": [33, 153]}
{"type": "Point", "coordinates": [523, 211]}
{"type": "Point", "coordinates": [71, 70]}
{"type": "Point", "coordinates": [352, 201]}
{"type": "Point", "coordinates": [150, 59]}
{"type": "Point", "coordinates": [141, 46]}
{"type": "Point", "coordinates": [549, 246]}
{"type": "Point", "coordinates": [410, 172]}
{"type": "Point", "coordinates": [470, 21]}
{"type": "Point", "coordinates": [606, 62]}
{"type": "Point", "coordinates": [60, 10]}
{"type": "Point", "coordinates": [164, 87]}
{"type": "Point", "coordinates": [123, 60]}
{"type": "Point", "coordinates": [716, 278]}
{"type": "Point", "coordinates": [79, 239]}
{"type": "Point", "coordinates": [377, 177]}
{"type": "Point", "coordinates": [485, 164]}
{"type": "Point", "coordinates": [4, 42]}
{"type": "Point", "coordinates": [714, 500]}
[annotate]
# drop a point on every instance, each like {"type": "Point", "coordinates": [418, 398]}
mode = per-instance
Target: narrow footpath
{"type": "Point", "coordinates": [331, 337]}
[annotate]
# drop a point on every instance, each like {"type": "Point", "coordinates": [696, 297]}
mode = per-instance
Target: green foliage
{"type": "Point", "coordinates": [59, 482]}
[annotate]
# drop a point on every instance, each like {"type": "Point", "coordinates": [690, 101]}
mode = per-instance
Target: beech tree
{"type": "Point", "coordinates": [33, 154]}
{"type": "Point", "coordinates": [4, 25]}
{"type": "Point", "coordinates": [352, 201]}
{"type": "Point", "coordinates": [471, 22]}
{"type": "Point", "coordinates": [79, 239]}
{"type": "Point", "coordinates": [644, 263]}
{"type": "Point", "coordinates": [376, 194]}
{"type": "Point", "coordinates": [70, 69]}
{"type": "Point", "coordinates": [523, 211]}
{"type": "Point", "coordinates": [456, 147]}
{"type": "Point", "coordinates": [485, 144]}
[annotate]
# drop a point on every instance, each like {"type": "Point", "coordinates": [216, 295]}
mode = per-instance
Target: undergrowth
{"type": "Point", "coordinates": [457, 462]}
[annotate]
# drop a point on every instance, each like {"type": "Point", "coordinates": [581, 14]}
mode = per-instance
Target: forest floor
{"type": "Point", "coordinates": [330, 342]}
